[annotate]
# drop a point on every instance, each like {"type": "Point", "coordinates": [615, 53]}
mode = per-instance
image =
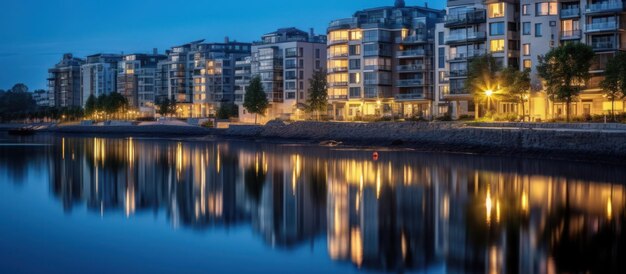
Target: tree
{"type": "Point", "coordinates": [318, 93]}
{"type": "Point", "coordinates": [91, 105]}
{"type": "Point", "coordinates": [116, 102]}
{"type": "Point", "coordinates": [227, 110]}
{"type": "Point", "coordinates": [255, 99]}
{"type": "Point", "coordinates": [614, 83]}
{"type": "Point", "coordinates": [565, 70]}
{"type": "Point", "coordinates": [482, 76]}
{"type": "Point", "coordinates": [163, 107]}
{"type": "Point", "coordinates": [516, 85]}
{"type": "Point", "coordinates": [19, 87]}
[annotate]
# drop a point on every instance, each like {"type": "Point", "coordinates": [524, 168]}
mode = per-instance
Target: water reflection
{"type": "Point", "coordinates": [406, 211]}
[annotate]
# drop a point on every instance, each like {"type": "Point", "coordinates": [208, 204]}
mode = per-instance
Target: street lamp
{"type": "Point", "coordinates": [488, 93]}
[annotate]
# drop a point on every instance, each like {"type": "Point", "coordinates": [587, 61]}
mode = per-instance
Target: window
{"type": "Point", "coordinates": [526, 49]}
{"type": "Point", "coordinates": [496, 28]}
{"type": "Point", "coordinates": [496, 10]}
{"type": "Point", "coordinates": [355, 92]}
{"type": "Point", "coordinates": [546, 8]}
{"type": "Point", "coordinates": [317, 53]}
{"type": "Point", "coordinates": [355, 78]}
{"type": "Point", "coordinates": [356, 35]}
{"type": "Point", "coordinates": [338, 35]}
{"type": "Point", "coordinates": [355, 50]}
{"type": "Point", "coordinates": [526, 9]}
{"type": "Point", "coordinates": [528, 64]}
{"type": "Point", "coordinates": [497, 45]}
{"type": "Point", "coordinates": [442, 57]}
{"type": "Point", "coordinates": [538, 30]}
{"type": "Point", "coordinates": [441, 40]}
{"type": "Point", "coordinates": [355, 63]}
{"type": "Point", "coordinates": [526, 28]}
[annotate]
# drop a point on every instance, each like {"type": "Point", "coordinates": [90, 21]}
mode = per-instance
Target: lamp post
{"type": "Point", "coordinates": [488, 93]}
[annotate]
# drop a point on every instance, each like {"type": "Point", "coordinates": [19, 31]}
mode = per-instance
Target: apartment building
{"type": "Point", "coordinates": [40, 97]}
{"type": "Point", "coordinates": [285, 60]}
{"type": "Point", "coordinates": [243, 75]}
{"type": "Point", "coordinates": [201, 75]}
{"type": "Point", "coordinates": [380, 62]}
{"type": "Point", "coordinates": [64, 82]}
{"type": "Point", "coordinates": [99, 75]}
{"type": "Point", "coordinates": [473, 28]}
{"type": "Point", "coordinates": [136, 80]}
{"type": "Point", "coordinates": [517, 33]}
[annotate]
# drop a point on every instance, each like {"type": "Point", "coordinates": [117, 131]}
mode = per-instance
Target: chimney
{"type": "Point", "coordinates": [155, 51]}
{"type": "Point", "coordinates": [311, 34]}
{"type": "Point", "coordinates": [226, 40]}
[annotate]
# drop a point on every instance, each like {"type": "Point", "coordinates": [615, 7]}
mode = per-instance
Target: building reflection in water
{"type": "Point", "coordinates": [405, 211]}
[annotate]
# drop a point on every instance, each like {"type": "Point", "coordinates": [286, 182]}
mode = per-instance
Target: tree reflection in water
{"type": "Point", "coordinates": [406, 211]}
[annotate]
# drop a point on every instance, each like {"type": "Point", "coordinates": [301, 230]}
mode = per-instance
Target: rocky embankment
{"type": "Point", "coordinates": [581, 141]}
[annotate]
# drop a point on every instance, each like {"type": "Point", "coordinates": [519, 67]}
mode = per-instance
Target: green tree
{"type": "Point", "coordinates": [19, 87]}
{"type": "Point", "coordinates": [90, 105]}
{"type": "Point", "coordinates": [317, 100]}
{"type": "Point", "coordinates": [255, 100]}
{"type": "Point", "coordinates": [614, 83]}
{"type": "Point", "coordinates": [16, 105]}
{"type": "Point", "coordinates": [482, 76]}
{"type": "Point", "coordinates": [227, 110]}
{"type": "Point", "coordinates": [163, 107]}
{"type": "Point", "coordinates": [516, 85]}
{"type": "Point", "coordinates": [565, 70]}
{"type": "Point", "coordinates": [116, 102]}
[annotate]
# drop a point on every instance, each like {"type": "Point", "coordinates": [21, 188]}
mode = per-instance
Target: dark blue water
{"type": "Point", "coordinates": [97, 205]}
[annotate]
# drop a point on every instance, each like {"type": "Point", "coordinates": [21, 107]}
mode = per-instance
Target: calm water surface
{"type": "Point", "coordinates": [98, 205]}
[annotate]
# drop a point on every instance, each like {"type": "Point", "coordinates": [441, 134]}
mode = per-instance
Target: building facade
{"type": "Point", "coordinates": [64, 82]}
{"type": "Point", "coordinates": [136, 80]}
{"type": "Point", "coordinates": [380, 62]}
{"type": "Point", "coordinates": [516, 33]}
{"type": "Point", "coordinates": [201, 75]}
{"type": "Point", "coordinates": [285, 60]}
{"type": "Point", "coordinates": [99, 75]}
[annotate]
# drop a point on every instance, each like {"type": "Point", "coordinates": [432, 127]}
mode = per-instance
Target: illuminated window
{"type": "Point", "coordinates": [496, 10]}
{"type": "Point", "coordinates": [546, 8]}
{"type": "Point", "coordinates": [339, 50]}
{"type": "Point", "coordinates": [356, 35]}
{"type": "Point", "coordinates": [355, 78]}
{"type": "Point", "coordinates": [526, 49]}
{"type": "Point", "coordinates": [338, 35]}
{"type": "Point", "coordinates": [497, 45]}
{"type": "Point", "coordinates": [528, 64]}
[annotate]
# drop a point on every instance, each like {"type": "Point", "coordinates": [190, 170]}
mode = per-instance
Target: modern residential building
{"type": "Point", "coordinates": [99, 75]}
{"type": "Point", "coordinates": [517, 33]}
{"type": "Point", "coordinates": [285, 60]}
{"type": "Point", "coordinates": [41, 98]}
{"type": "Point", "coordinates": [136, 80]}
{"type": "Point", "coordinates": [64, 82]}
{"type": "Point", "coordinates": [243, 72]}
{"type": "Point", "coordinates": [380, 62]}
{"type": "Point", "coordinates": [201, 75]}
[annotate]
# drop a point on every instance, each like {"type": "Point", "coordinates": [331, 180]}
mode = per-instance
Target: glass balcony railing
{"type": "Point", "coordinates": [410, 82]}
{"type": "Point", "coordinates": [470, 17]}
{"type": "Point", "coordinates": [458, 73]}
{"type": "Point", "coordinates": [603, 45]}
{"type": "Point", "coordinates": [571, 34]}
{"type": "Point", "coordinates": [466, 55]}
{"type": "Point", "coordinates": [611, 25]}
{"type": "Point", "coordinates": [410, 96]}
{"type": "Point", "coordinates": [570, 12]}
{"type": "Point", "coordinates": [472, 36]}
{"type": "Point", "coordinates": [411, 53]}
{"type": "Point", "coordinates": [605, 6]}
{"type": "Point", "coordinates": [412, 39]}
{"type": "Point", "coordinates": [412, 67]}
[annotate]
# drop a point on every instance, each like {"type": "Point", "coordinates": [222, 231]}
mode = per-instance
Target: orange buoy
{"type": "Point", "coordinates": [375, 156]}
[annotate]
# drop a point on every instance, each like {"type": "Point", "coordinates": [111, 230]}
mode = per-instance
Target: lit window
{"type": "Point", "coordinates": [339, 35]}
{"type": "Point", "coordinates": [496, 10]}
{"type": "Point", "coordinates": [356, 35]}
{"type": "Point", "coordinates": [546, 8]}
{"type": "Point", "coordinates": [526, 49]}
{"type": "Point", "coordinates": [525, 9]}
{"type": "Point", "coordinates": [528, 64]}
{"type": "Point", "coordinates": [497, 45]}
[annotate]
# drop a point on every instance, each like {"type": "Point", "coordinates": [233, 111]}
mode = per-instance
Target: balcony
{"type": "Point", "coordinates": [410, 96]}
{"type": "Point", "coordinates": [458, 73]}
{"type": "Point", "coordinates": [338, 55]}
{"type": "Point", "coordinates": [338, 69]}
{"type": "Point", "coordinates": [468, 18]}
{"type": "Point", "coordinates": [275, 97]}
{"type": "Point", "coordinates": [411, 53]}
{"type": "Point", "coordinates": [411, 68]}
{"type": "Point", "coordinates": [377, 52]}
{"type": "Point", "coordinates": [338, 41]}
{"type": "Point", "coordinates": [377, 67]}
{"type": "Point", "coordinates": [342, 23]}
{"type": "Point", "coordinates": [413, 39]}
{"type": "Point", "coordinates": [462, 56]}
{"type": "Point", "coordinates": [605, 6]}
{"type": "Point", "coordinates": [602, 26]}
{"type": "Point", "coordinates": [571, 35]}
{"type": "Point", "coordinates": [466, 38]}
{"type": "Point", "coordinates": [337, 97]}
{"type": "Point", "coordinates": [410, 82]}
{"type": "Point", "coordinates": [337, 84]}
{"type": "Point", "coordinates": [570, 13]}
{"type": "Point", "coordinates": [376, 82]}
{"type": "Point", "coordinates": [600, 46]}
{"type": "Point", "coordinates": [456, 91]}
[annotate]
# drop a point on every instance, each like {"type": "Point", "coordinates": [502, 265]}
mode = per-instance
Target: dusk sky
{"type": "Point", "coordinates": [35, 33]}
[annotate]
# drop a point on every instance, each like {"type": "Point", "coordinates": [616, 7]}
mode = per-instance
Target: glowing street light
{"type": "Point", "coordinates": [488, 92]}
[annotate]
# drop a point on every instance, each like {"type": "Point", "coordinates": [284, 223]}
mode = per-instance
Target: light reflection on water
{"type": "Point", "coordinates": [406, 211]}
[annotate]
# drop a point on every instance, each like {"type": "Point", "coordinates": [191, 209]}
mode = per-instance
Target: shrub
{"type": "Point", "coordinates": [208, 124]}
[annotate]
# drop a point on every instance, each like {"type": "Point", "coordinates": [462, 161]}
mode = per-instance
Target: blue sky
{"type": "Point", "coordinates": [35, 33]}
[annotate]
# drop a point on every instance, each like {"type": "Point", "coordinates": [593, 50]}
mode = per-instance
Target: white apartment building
{"type": "Point", "coordinates": [136, 80]}
{"type": "Point", "coordinates": [98, 75]}
{"type": "Point", "coordinates": [285, 60]}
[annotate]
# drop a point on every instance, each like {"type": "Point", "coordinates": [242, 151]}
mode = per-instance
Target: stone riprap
{"type": "Point", "coordinates": [441, 134]}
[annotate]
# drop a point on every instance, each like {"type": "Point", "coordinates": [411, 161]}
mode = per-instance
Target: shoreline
{"type": "Point", "coordinates": [602, 145]}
